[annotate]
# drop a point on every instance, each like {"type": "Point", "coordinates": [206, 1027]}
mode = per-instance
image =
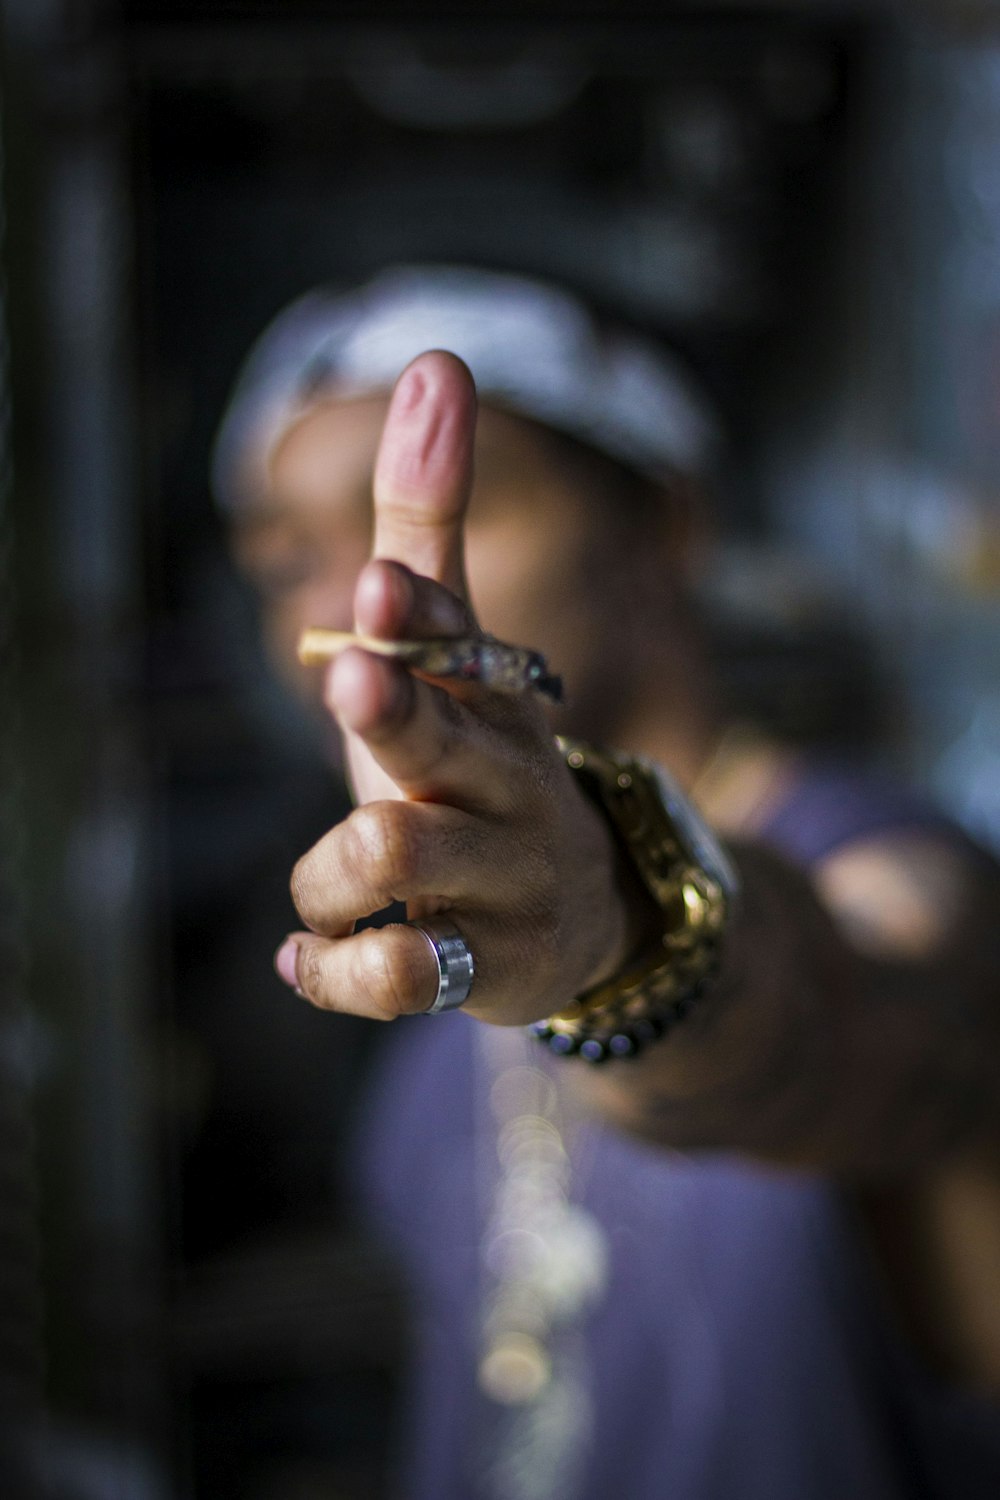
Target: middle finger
{"type": "Point", "coordinates": [385, 852]}
{"type": "Point", "coordinates": [395, 603]}
{"type": "Point", "coordinates": [480, 754]}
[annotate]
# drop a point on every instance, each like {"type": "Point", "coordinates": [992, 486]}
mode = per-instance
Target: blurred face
{"type": "Point", "coordinates": [549, 565]}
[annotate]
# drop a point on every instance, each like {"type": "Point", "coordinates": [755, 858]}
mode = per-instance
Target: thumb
{"type": "Point", "coordinates": [423, 472]}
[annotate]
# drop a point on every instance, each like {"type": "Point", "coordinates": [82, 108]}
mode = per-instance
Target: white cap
{"type": "Point", "coordinates": [532, 348]}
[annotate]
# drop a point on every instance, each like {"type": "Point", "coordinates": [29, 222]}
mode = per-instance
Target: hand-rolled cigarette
{"type": "Point", "coordinates": [493, 664]}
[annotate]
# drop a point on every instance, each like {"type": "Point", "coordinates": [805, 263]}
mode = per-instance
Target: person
{"type": "Point", "coordinates": [756, 1252]}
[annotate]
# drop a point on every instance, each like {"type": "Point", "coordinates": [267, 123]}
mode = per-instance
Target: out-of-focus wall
{"type": "Point", "coordinates": [81, 1264]}
{"type": "Point", "coordinates": [892, 476]}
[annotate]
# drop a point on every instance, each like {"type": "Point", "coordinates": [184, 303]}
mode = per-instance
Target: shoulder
{"type": "Point", "coordinates": [897, 874]}
{"type": "Point", "coordinates": [898, 894]}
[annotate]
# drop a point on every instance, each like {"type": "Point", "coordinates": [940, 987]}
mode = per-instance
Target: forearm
{"type": "Point", "coordinates": [803, 1052]}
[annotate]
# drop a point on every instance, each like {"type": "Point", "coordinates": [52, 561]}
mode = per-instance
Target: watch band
{"type": "Point", "coordinates": [690, 878]}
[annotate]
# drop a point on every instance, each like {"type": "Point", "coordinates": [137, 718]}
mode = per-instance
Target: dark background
{"type": "Point", "coordinates": [802, 198]}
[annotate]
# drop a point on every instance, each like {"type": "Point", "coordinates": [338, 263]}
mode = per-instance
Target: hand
{"type": "Point", "coordinates": [465, 805]}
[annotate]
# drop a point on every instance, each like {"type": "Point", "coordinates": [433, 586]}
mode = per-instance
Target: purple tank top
{"type": "Point", "coordinates": [734, 1349]}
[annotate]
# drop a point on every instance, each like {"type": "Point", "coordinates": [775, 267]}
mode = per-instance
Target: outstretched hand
{"type": "Point", "coordinates": [465, 807]}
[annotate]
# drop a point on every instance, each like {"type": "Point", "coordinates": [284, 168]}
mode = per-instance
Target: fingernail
{"type": "Point", "coordinates": [410, 392]}
{"type": "Point", "coordinates": [286, 963]}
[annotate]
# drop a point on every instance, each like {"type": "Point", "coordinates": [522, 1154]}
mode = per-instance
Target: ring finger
{"type": "Point", "coordinates": [389, 972]}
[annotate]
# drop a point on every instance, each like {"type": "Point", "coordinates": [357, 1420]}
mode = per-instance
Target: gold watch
{"type": "Point", "coordinates": [690, 878]}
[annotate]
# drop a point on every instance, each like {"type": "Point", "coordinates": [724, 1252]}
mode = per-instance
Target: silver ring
{"type": "Point", "coordinates": [455, 967]}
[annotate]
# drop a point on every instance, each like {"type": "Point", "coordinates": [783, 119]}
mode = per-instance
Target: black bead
{"type": "Point", "coordinates": [623, 1044]}
{"type": "Point", "coordinates": [561, 1044]}
{"type": "Point", "coordinates": [593, 1051]}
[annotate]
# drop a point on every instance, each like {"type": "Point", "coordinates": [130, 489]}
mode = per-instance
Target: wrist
{"type": "Point", "coordinates": [675, 889]}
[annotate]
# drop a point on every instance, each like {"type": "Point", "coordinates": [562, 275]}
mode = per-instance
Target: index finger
{"type": "Point", "coordinates": [423, 472]}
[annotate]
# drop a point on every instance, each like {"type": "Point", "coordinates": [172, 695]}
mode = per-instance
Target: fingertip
{"type": "Point", "coordinates": [411, 387]}
{"type": "Point", "coordinates": [383, 599]}
{"type": "Point", "coordinates": [350, 688]}
{"type": "Point", "coordinates": [423, 470]}
{"type": "Point", "coordinates": [431, 374]}
{"type": "Point", "coordinates": [394, 603]}
{"type": "Point", "coordinates": [286, 964]}
{"type": "Point", "coordinates": [367, 693]}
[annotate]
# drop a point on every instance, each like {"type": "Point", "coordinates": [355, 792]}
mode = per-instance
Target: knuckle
{"type": "Point", "coordinates": [386, 845]}
{"type": "Point", "coordinates": [302, 888]}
